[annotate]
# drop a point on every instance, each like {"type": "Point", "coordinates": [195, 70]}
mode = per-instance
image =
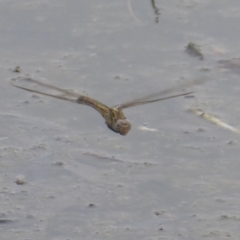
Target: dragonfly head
{"type": "Point", "coordinates": [122, 126]}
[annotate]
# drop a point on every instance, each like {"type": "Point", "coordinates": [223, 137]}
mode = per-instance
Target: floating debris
{"type": "Point", "coordinates": [194, 50]}
{"type": "Point", "coordinates": [158, 213]}
{"type": "Point", "coordinates": [20, 180]}
{"type": "Point", "coordinates": [143, 128]}
{"type": "Point", "coordinates": [17, 69]}
{"type": "Point", "coordinates": [214, 120]}
{"type": "Point", "coordinates": [156, 10]}
{"type": "Point", "coordinates": [58, 163]}
{"type": "Point", "coordinates": [3, 221]}
{"type": "Point", "coordinates": [132, 13]}
{"type": "Point", "coordinates": [231, 64]}
{"type": "Point", "coordinates": [91, 205]}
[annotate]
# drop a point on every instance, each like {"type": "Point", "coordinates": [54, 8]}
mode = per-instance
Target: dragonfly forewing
{"type": "Point", "coordinates": [154, 97]}
{"type": "Point", "coordinates": [35, 86]}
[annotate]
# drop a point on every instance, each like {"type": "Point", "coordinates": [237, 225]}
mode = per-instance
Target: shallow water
{"type": "Point", "coordinates": [83, 181]}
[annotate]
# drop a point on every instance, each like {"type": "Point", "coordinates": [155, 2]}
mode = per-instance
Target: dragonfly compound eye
{"type": "Point", "coordinates": [122, 126]}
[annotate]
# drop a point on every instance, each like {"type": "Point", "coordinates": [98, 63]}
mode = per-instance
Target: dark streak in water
{"type": "Point", "coordinates": [3, 221]}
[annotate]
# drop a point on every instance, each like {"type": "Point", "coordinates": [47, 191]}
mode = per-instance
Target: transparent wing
{"type": "Point", "coordinates": [35, 86]}
{"type": "Point", "coordinates": [137, 103]}
{"type": "Point", "coordinates": [153, 97]}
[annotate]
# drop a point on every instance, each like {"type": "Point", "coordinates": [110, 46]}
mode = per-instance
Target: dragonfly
{"type": "Point", "coordinates": [114, 116]}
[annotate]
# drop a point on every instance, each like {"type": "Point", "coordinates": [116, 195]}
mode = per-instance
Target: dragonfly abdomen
{"type": "Point", "coordinates": [101, 108]}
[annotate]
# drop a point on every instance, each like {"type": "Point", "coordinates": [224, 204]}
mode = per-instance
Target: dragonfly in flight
{"type": "Point", "coordinates": [114, 116]}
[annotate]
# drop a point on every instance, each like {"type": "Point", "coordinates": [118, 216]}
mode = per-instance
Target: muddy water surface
{"type": "Point", "coordinates": [65, 175]}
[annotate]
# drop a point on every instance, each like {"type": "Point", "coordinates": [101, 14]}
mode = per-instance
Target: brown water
{"type": "Point", "coordinates": [83, 181]}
